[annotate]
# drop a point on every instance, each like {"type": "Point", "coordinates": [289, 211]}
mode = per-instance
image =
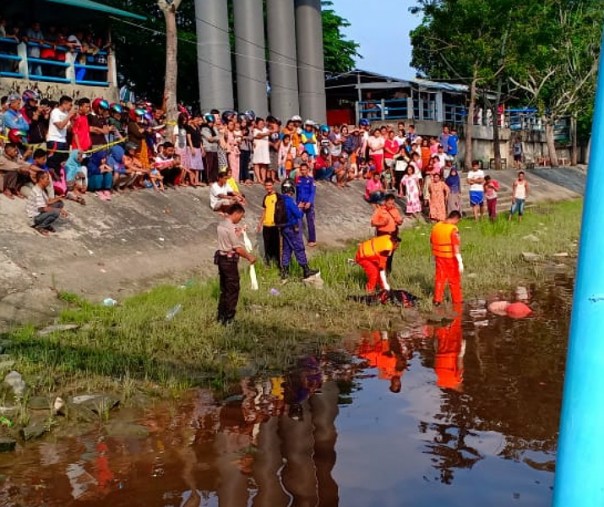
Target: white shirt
{"type": "Point", "coordinates": [38, 198]}
{"type": "Point", "coordinates": [474, 175]}
{"type": "Point", "coordinates": [401, 140]}
{"type": "Point", "coordinates": [74, 40]}
{"type": "Point", "coordinates": [216, 190]}
{"type": "Point", "coordinates": [442, 157]}
{"type": "Point", "coordinates": [54, 134]}
{"type": "Point", "coordinates": [520, 192]}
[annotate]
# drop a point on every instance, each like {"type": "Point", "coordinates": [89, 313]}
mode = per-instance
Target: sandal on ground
{"type": "Point", "coordinates": [42, 232]}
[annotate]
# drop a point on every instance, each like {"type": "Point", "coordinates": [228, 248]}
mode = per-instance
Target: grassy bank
{"type": "Point", "coordinates": [133, 346]}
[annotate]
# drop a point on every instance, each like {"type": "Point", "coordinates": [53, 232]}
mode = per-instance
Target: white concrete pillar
{"type": "Point", "coordinates": [250, 58]}
{"type": "Point", "coordinates": [213, 55]}
{"type": "Point", "coordinates": [311, 75]}
{"type": "Point", "coordinates": [283, 60]}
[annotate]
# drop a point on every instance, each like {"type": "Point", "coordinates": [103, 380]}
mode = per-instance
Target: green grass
{"type": "Point", "coordinates": [132, 347]}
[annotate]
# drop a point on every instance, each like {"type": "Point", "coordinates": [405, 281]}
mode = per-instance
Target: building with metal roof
{"type": "Point", "coordinates": [56, 65]}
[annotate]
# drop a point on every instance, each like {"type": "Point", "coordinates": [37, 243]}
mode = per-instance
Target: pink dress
{"type": "Point", "coordinates": [411, 184]}
{"type": "Point", "coordinates": [233, 153]}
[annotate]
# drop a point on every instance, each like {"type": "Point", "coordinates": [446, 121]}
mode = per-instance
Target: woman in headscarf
{"type": "Point", "coordinates": [438, 193]}
{"type": "Point", "coordinates": [76, 177]}
{"type": "Point", "coordinates": [210, 139]}
{"type": "Point", "coordinates": [100, 175]}
{"type": "Point", "coordinates": [453, 181]}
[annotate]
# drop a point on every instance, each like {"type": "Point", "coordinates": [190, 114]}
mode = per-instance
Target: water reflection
{"type": "Point", "coordinates": [466, 411]}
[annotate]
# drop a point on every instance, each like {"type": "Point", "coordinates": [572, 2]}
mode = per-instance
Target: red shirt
{"type": "Point", "coordinates": [390, 145]}
{"type": "Point", "coordinates": [81, 132]}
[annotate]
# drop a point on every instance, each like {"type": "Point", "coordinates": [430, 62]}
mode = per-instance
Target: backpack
{"type": "Point", "coordinates": [280, 211]}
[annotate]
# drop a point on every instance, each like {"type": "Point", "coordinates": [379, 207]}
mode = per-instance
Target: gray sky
{"type": "Point", "coordinates": [382, 29]}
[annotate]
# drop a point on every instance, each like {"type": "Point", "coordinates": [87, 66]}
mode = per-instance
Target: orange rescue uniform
{"type": "Point", "coordinates": [445, 242]}
{"type": "Point", "coordinates": [376, 351]}
{"type": "Point", "coordinates": [372, 256]}
{"type": "Point", "coordinates": [448, 364]}
{"type": "Point", "coordinates": [386, 221]}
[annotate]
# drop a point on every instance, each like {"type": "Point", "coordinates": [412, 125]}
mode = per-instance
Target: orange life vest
{"type": "Point", "coordinates": [376, 247]}
{"type": "Point", "coordinates": [441, 240]}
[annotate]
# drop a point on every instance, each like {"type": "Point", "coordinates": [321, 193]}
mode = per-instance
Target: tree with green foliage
{"type": "Point", "coordinates": [545, 52]}
{"type": "Point", "coordinates": [459, 41]}
{"type": "Point", "coordinates": [557, 50]}
{"type": "Point", "coordinates": [339, 52]}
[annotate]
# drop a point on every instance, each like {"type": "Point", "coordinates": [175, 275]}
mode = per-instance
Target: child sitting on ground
{"type": "Point", "coordinates": [157, 180]}
{"type": "Point", "coordinates": [233, 184]}
{"type": "Point", "coordinates": [75, 175]}
{"type": "Point", "coordinates": [104, 167]}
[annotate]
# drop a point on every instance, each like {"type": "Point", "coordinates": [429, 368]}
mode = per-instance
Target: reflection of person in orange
{"type": "Point", "coordinates": [104, 475]}
{"type": "Point", "coordinates": [386, 355]}
{"type": "Point", "coordinates": [450, 349]}
{"type": "Point", "coordinates": [372, 256]}
{"type": "Point", "coordinates": [446, 251]}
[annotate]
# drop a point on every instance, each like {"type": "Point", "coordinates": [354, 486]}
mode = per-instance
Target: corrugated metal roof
{"type": "Point", "coordinates": [449, 87]}
{"type": "Point", "coordinates": [424, 84]}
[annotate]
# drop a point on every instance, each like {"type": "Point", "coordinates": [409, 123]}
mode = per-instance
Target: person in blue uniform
{"type": "Point", "coordinates": [291, 233]}
{"type": "Point", "coordinates": [306, 188]}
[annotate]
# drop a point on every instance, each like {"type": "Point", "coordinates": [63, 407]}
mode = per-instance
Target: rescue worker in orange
{"type": "Point", "coordinates": [372, 256]}
{"type": "Point", "coordinates": [387, 219]}
{"type": "Point", "coordinates": [447, 254]}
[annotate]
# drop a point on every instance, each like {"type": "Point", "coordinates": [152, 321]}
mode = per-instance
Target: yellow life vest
{"type": "Point", "coordinates": [374, 247]}
{"type": "Point", "coordinates": [441, 240]}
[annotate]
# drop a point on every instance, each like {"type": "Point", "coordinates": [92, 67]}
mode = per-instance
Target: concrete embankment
{"type": "Point", "coordinates": [113, 249]}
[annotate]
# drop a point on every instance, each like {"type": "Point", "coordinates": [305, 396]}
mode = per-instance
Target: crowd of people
{"type": "Point", "coordinates": [48, 47]}
{"type": "Point", "coordinates": [93, 146]}
{"type": "Point", "coordinates": [57, 150]}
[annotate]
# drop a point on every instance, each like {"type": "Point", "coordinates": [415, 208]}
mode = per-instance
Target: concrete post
{"type": "Point", "coordinates": [283, 61]}
{"type": "Point", "coordinates": [250, 58]}
{"type": "Point", "coordinates": [311, 75]}
{"type": "Point", "coordinates": [213, 55]}
{"type": "Point", "coordinates": [23, 64]}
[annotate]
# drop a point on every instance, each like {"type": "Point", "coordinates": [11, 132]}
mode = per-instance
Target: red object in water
{"type": "Point", "coordinates": [518, 310]}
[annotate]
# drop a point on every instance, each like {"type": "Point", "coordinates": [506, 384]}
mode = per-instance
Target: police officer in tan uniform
{"type": "Point", "coordinates": [230, 248]}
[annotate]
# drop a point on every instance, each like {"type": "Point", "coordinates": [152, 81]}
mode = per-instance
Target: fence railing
{"type": "Point", "coordinates": [56, 64]}
{"type": "Point", "coordinates": [516, 119]}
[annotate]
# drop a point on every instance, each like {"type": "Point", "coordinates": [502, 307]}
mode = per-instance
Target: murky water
{"type": "Point", "coordinates": [457, 415]}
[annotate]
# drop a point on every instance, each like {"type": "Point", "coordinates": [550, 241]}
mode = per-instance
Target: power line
{"type": "Point", "coordinates": [304, 66]}
{"type": "Point", "coordinates": [212, 64]}
{"type": "Point", "coordinates": [260, 46]}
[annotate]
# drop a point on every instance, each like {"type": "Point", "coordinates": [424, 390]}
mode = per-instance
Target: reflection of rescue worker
{"type": "Point", "coordinates": [450, 349]}
{"type": "Point", "coordinates": [449, 265]}
{"type": "Point", "coordinates": [386, 354]}
{"type": "Point", "coordinates": [230, 248]}
{"type": "Point", "coordinates": [291, 232]}
{"type": "Point", "coordinates": [372, 256]}
{"type": "Point", "coordinates": [387, 219]}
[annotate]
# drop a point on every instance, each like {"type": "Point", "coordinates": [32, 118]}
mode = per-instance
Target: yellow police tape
{"type": "Point", "coordinates": [87, 152]}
